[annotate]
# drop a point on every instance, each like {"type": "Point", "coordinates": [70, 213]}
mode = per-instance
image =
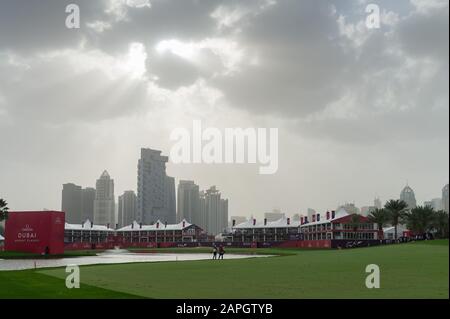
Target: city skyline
{"type": "Point", "coordinates": [194, 209]}
{"type": "Point", "coordinates": [359, 110]}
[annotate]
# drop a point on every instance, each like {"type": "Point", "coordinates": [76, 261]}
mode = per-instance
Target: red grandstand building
{"type": "Point", "coordinates": [335, 229]}
{"type": "Point", "coordinates": [159, 234]}
{"type": "Point", "coordinates": [88, 236]}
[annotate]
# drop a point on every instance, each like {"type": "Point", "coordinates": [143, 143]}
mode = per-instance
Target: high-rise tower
{"type": "Point", "coordinates": [104, 203]}
{"type": "Point", "coordinates": [156, 190]}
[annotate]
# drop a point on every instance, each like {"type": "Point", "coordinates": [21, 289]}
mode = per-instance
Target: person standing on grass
{"type": "Point", "coordinates": [221, 252]}
{"type": "Point", "coordinates": [214, 252]}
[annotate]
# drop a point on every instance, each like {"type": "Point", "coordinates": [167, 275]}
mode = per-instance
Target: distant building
{"type": "Point", "coordinates": [366, 210]}
{"type": "Point", "coordinates": [445, 195]}
{"type": "Point", "coordinates": [156, 190]}
{"type": "Point", "coordinates": [275, 215]}
{"type": "Point", "coordinates": [71, 203]}
{"type": "Point", "coordinates": [350, 208]}
{"type": "Point", "coordinates": [127, 208]}
{"type": "Point", "coordinates": [377, 203]}
{"type": "Point", "coordinates": [189, 203]}
{"type": "Point", "coordinates": [104, 203]}
{"type": "Point", "coordinates": [311, 212]}
{"type": "Point", "coordinates": [87, 203]}
{"type": "Point", "coordinates": [77, 203]}
{"type": "Point", "coordinates": [170, 200]}
{"type": "Point", "coordinates": [203, 211]}
{"type": "Point", "coordinates": [435, 203]}
{"type": "Point", "coordinates": [407, 195]}
{"type": "Point", "coordinates": [214, 211]}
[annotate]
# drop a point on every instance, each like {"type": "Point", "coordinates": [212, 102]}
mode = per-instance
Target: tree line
{"type": "Point", "coordinates": [420, 220]}
{"type": "Point", "coordinates": [3, 212]}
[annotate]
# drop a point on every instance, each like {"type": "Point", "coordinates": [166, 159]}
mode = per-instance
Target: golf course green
{"type": "Point", "coordinates": [413, 270]}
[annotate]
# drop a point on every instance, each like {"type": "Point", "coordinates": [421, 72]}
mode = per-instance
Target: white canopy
{"type": "Point", "coordinates": [87, 225]}
{"type": "Point", "coordinates": [159, 225]}
{"type": "Point", "coordinates": [282, 223]}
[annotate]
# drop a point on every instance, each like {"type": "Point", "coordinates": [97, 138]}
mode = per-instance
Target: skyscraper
{"type": "Point", "coordinates": [87, 204]}
{"type": "Point", "coordinates": [170, 200]}
{"type": "Point", "coordinates": [407, 195]}
{"type": "Point", "coordinates": [203, 211]}
{"type": "Point", "coordinates": [223, 215]}
{"type": "Point", "coordinates": [216, 211]}
{"type": "Point", "coordinates": [71, 203]}
{"type": "Point", "coordinates": [188, 202]}
{"type": "Point", "coordinates": [445, 198]}
{"type": "Point", "coordinates": [127, 208]}
{"type": "Point", "coordinates": [156, 190]}
{"type": "Point", "coordinates": [104, 203]}
{"type": "Point", "coordinates": [377, 203]}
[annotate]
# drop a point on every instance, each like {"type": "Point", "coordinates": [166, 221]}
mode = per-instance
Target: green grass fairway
{"type": "Point", "coordinates": [415, 270]}
{"type": "Point", "coordinates": [31, 284]}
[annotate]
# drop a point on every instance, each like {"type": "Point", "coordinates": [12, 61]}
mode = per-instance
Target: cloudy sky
{"type": "Point", "coordinates": [360, 111]}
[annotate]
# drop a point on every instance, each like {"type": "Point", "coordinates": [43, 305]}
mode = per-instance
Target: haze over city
{"type": "Point", "coordinates": [360, 112]}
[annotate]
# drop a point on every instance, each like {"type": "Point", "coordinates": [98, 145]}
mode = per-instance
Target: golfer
{"type": "Point", "coordinates": [221, 252]}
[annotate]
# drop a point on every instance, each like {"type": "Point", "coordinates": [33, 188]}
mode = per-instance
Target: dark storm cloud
{"type": "Point", "coordinates": [301, 66]}
{"type": "Point", "coordinates": [306, 64]}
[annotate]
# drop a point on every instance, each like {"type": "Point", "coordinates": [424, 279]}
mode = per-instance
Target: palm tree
{"type": "Point", "coordinates": [379, 216]}
{"type": "Point", "coordinates": [440, 223]}
{"type": "Point", "coordinates": [420, 219]}
{"type": "Point", "coordinates": [3, 210]}
{"type": "Point", "coordinates": [354, 224]}
{"type": "Point", "coordinates": [397, 211]}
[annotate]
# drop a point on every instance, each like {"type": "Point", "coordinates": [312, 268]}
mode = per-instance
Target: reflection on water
{"type": "Point", "coordinates": [115, 256]}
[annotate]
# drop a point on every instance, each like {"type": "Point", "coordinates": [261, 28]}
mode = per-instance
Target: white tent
{"type": "Point", "coordinates": [2, 238]}
{"type": "Point", "coordinates": [389, 232]}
